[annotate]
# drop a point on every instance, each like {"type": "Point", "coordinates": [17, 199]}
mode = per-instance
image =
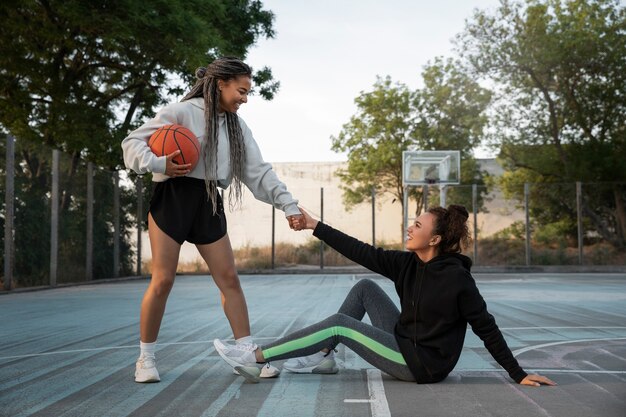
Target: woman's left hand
{"type": "Point", "coordinates": [537, 380]}
{"type": "Point", "coordinates": [296, 222]}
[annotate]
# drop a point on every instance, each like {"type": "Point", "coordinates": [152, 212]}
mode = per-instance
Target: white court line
{"type": "Point", "coordinates": [578, 371]}
{"type": "Point", "coordinates": [515, 353]}
{"type": "Point", "coordinates": [562, 327]}
{"type": "Point", "coordinates": [220, 402]}
{"type": "Point", "coordinates": [550, 370]}
{"type": "Point", "coordinates": [62, 352]}
{"type": "Point", "coordinates": [378, 405]}
{"type": "Point", "coordinates": [564, 342]}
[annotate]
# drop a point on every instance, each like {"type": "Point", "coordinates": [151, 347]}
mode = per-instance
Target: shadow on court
{"type": "Point", "coordinates": [71, 352]}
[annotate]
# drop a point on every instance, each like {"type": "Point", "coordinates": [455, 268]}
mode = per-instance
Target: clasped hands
{"type": "Point", "coordinates": [302, 221]}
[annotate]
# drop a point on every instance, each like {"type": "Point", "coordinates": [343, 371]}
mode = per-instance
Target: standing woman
{"type": "Point", "coordinates": [422, 341]}
{"type": "Point", "coordinates": [186, 204]}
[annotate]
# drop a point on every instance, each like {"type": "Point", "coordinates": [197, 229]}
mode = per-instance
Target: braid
{"type": "Point", "coordinates": [224, 69]}
{"type": "Point", "coordinates": [237, 157]}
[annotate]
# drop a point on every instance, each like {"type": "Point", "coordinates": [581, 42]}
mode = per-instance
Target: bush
{"type": "Point", "coordinates": [492, 251]}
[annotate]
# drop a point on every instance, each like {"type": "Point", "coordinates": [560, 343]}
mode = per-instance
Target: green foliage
{"type": "Point", "coordinates": [501, 251]}
{"type": "Point", "coordinates": [559, 114]}
{"type": "Point", "coordinates": [555, 234]}
{"type": "Point", "coordinates": [77, 76]}
{"type": "Point", "coordinates": [72, 67]}
{"type": "Point", "coordinates": [33, 213]}
{"type": "Point", "coordinates": [450, 108]}
{"type": "Point", "coordinates": [374, 139]}
{"type": "Point", "coordinates": [446, 114]}
{"type": "Point", "coordinates": [516, 231]}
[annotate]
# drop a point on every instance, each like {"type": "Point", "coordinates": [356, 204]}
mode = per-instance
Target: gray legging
{"type": "Point", "coordinates": [375, 343]}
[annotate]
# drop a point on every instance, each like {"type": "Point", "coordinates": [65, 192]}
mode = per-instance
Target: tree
{"type": "Point", "coordinates": [560, 73]}
{"type": "Point", "coordinates": [374, 139]}
{"type": "Point", "coordinates": [447, 114]}
{"type": "Point", "coordinates": [451, 115]}
{"type": "Point", "coordinates": [69, 69]}
{"type": "Point", "coordinates": [78, 75]}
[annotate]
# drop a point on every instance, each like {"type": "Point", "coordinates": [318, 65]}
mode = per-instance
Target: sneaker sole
{"type": "Point", "coordinates": [250, 373]}
{"type": "Point", "coordinates": [148, 381]}
{"type": "Point", "coordinates": [269, 374]}
{"type": "Point", "coordinates": [329, 367]}
{"type": "Point", "coordinates": [263, 374]}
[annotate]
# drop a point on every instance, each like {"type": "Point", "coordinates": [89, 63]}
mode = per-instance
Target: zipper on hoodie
{"type": "Point", "coordinates": [417, 295]}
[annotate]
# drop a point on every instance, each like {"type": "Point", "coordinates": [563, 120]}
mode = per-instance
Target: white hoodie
{"type": "Point", "coordinates": [258, 174]}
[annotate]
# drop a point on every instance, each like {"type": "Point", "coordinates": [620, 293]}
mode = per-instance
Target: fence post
{"type": "Point", "coordinates": [54, 218]}
{"type": "Point", "coordinates": [116, 224]}
{"type": "Point", "coordinates": [322, 219]}
{"type": "Point", "coordinates": [273, 237]}
{"type": "Point", "coordinates": [89, 243]}
{"type": "Point", "coordinates": [405, 214]}
{"type": "Point", "coordinates": [475, 212]}
{"type": "Point", "coordinates": [373, 216]}
{"type": "Point", "coordinates": [9, 212]}
{"type": "Point", "coordinates": [139, 221]}
{"type": "Point", "coordinates": [526, 210]}
{"type": "Point", "coordinates": [579, 215]}
{"type": "Point", "coordinates": [442, 195]}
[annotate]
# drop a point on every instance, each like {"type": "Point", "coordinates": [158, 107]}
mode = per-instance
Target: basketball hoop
{"type": "Point", "coordinates": [426, 168]}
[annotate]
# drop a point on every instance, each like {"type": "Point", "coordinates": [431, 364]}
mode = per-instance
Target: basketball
{"type": "Point", "coordinates": [171, 138]}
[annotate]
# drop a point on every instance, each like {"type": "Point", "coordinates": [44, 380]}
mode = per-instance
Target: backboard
{"type": "Point", "coordinates": [431, 167]}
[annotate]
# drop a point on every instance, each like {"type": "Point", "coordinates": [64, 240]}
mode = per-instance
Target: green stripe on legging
{"type": "Point", "coordinates": [317, 337]}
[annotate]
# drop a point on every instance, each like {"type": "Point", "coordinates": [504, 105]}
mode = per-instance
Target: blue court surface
{"type": "Point", "coordinates": [71, 352]}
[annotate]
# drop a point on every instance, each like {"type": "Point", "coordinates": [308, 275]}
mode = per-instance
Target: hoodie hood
{"type": "Point", "coordinates": [197, 102]}
{"type": "Point", "coordinates": [447, 259]}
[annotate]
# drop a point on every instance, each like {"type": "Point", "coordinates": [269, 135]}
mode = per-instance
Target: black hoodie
{"type": "Point", "coordinates": [438, 299]}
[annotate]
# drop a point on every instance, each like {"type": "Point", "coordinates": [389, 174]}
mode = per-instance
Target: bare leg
{"type": "Point", "coordinates": [221, 262]}
{"type": "Point", "coordinates": [165, 251]}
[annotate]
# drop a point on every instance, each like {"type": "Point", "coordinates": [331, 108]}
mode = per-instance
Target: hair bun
{"type": "Point", "coordinates": [458, 210]}
{"type": "Point", "coordinates": [201, 73]}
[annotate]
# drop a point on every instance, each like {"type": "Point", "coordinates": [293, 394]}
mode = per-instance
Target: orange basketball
{"type": "Point", "coordinates": [171, 138]}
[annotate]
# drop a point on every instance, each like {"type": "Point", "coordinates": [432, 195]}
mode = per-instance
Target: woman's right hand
{"type": "Point", "coordinates": [309, 222]}
{"type": "Point", "coordinates": [172, 169]}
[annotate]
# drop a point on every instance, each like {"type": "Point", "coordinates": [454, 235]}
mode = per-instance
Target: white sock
{"type": "Point", "coordinates": [245, 339]}
{"type": "Point", "coordinates": [147, 349]}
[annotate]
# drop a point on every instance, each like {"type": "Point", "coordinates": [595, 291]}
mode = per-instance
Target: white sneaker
{"type": "Point", "coordinates": [317, 363]}
{"type": "Point", "coordinates": [236, 355]}
{"type": "Point", "coordinates": [145, 370]}
{"type": "Point", "coordinates": [268, 371]}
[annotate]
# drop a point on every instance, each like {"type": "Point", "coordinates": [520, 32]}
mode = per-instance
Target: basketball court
{"type": "Point", "coordinates": [71, 352]}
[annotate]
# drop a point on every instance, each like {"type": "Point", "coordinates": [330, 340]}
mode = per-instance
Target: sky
{"type": "Point", "coordinates": [325, 53]}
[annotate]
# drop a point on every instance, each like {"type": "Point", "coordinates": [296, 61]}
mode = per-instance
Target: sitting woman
{"type": "Point", "coordinates": [420, 343]}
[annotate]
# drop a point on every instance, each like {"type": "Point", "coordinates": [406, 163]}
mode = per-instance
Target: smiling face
{"type": "Point", "coordinates": [420, 234]}
{"type": "Point", "coordinates": [234, 92]}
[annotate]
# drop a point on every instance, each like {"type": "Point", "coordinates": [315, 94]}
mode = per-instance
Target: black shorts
{"type": "Point", "coordinates": [181, 208]}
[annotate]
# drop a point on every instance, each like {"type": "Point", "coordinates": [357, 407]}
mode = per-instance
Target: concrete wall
{"type": "Point", "coordinates": [251, 224]}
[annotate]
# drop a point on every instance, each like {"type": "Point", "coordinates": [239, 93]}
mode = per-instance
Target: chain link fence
{"type": "Point", "coordinates": [67, 221]}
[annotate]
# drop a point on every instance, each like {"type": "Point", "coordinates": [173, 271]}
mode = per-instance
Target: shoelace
{"type": "Point", "coordinates": [147, 362]}
{"type": "Point", "coordinates": [248, 347]}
